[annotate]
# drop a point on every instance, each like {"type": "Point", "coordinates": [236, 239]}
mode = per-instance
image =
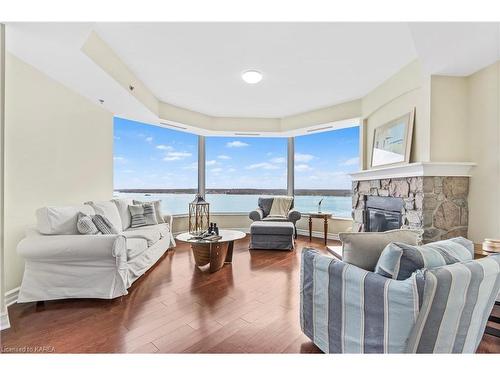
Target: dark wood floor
{"type": "Point", "coordinates": [250, 306]}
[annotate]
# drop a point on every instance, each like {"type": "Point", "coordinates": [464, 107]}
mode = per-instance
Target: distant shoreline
{"type": "Point", "coordinates": [306, 192]}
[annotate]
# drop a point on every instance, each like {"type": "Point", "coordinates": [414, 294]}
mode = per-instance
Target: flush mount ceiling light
{"type": "Point", "coordinates": [251, 76]}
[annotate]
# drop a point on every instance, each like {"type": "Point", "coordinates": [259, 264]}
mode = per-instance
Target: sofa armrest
{"type": "Point", "coordinates": [61, 248]}
{"type": "Point", "coordinates": [256, 214]}
{"type": "Point", "coordinates": [337, 299]}
{"type": "Point", "coordinates": [294, 216]}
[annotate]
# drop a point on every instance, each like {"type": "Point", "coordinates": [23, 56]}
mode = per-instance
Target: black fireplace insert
{"type": "Point", "coordinates": [383, 213]}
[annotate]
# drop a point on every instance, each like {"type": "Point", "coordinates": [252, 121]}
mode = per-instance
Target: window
{"type": "Point", "coordinates": [323, 162]}
{"type": "Point", "coordinates": [153, 163]}
{"type": "Point", "coordinates": [238, 170]}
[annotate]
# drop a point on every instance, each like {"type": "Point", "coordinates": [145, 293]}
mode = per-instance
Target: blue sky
{"type": "Point", "coordinates": [147, 156]}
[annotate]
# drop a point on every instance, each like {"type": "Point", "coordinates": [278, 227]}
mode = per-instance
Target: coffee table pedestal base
{"type": "Point", "coordinates": [215, 254]}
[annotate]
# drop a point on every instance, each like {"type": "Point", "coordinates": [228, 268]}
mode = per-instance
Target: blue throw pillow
{"type": "Point", "coordinates": [399, 260]}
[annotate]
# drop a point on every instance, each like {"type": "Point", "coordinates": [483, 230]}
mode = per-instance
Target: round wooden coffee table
{"type": "Point", "coordinates": [215, 253]}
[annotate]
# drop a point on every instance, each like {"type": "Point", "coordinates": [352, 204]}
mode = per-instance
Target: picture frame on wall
{"type": "Point", "coordinates": [392, 142]}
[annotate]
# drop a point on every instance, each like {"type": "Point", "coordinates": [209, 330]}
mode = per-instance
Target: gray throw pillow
{"type": "Point", "coordinates": [142, 214]}
{"type": "Point", "coordinates": [157, 205]}
{"type": "Point", "coordinates": [104, 225]}
{"type": "Point", "coordinates": [399, 260]}
{"type": "Point", "coordinates": [265, 204]}
{"type": "Point", "coordinates": [85, 225]}
{"type": "Point", "coordinates": [363, 249]}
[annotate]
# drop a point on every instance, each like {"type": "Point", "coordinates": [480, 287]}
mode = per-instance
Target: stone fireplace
{"type": "Point", "coordinates": [435, 203]}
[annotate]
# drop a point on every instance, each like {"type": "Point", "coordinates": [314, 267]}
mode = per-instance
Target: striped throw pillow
{"type": "Point", "coordinates": [142, 214]}
{"type": "Point", "coordinates": [157, 204]}
{"type": "Point", "coordinates": [85, 225]}
{"type": "Point", "coordinates": [104, 225]}
{"type": "Point", "coordinates": [398, 260]}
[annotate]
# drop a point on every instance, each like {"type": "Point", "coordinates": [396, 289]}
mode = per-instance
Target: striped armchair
{"type": "Point", "coordinates": [345, 309]}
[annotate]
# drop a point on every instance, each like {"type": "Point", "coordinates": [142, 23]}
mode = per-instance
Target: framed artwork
{"type": "Point", "coordinates": [392, 141]}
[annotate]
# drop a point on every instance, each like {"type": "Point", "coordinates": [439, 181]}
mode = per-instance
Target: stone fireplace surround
{"type": "Point", "coordinates": [434, 195]}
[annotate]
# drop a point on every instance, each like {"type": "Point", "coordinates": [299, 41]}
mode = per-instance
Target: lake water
{"type": "Point", "coordinates": [178, 203]}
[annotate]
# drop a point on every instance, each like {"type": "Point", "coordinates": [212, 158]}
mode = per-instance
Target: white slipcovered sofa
{"type": "Point", "coordinates": [61, 263]}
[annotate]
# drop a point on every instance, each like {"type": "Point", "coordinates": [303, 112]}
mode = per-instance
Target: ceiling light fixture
{"type": "Point", "coordinates": [251, 76]}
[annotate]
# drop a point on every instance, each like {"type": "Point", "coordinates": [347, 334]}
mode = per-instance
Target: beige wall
{"type": "Point", "coordinates": [448, 138]}
{"type": "Point", "coordinates": [483, 145]}
{"type": "Point", "coordinates": [59, 151]}
{"type": "Point", "coordinates": [2, 152]}
{"type": "Point", "coordinates": [407, 89]}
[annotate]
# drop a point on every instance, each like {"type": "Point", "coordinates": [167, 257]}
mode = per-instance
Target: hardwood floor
{"type": "Point", "coordinates": [250, 306]}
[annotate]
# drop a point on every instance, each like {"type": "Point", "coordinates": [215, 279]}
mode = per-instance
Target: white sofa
{"type": "Point", "coordinates": [61, 263]}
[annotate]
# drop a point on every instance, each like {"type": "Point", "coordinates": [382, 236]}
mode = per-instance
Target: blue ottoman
{"type": "Point", "coordinates": [272, 235]}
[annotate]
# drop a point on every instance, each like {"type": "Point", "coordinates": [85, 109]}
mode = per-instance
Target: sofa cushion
{"type": "Point", "coordinates": [142, 215]}
{"type": "Point", "coordinates": [363, 249]}
{"type": "Point", "coordinates": [60, 220]}
{"type": "Point", "coordinates": [109, 210]}
{"type": "Point", "coordinates": [103, 225]}
{"type": "Point", "coordinates": [399, 260]}
{"type": "Point", "coordinates": [159, 215]}
{"type": "Point", "coordinates": [272, 228]}
{"type": "Point", "coordinates": [122, 206]}
{"type": "Point", "coordinates": [136, 247]}
{"type": "Point", "coordinates": [152, 233]}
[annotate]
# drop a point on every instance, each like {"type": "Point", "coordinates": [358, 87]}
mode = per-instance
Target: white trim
{"type": "Point", "coordinates": [318, 234]}
{"type": "Point", "coordinates": [415, 170]}
{"type": "Point", "coordinates": [4, 321]}
{"type": "Point", "coordinates": [11, 296]}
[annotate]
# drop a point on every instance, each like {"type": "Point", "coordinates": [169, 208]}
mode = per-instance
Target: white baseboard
{"type": "Point", "coordinates": [11, 296]}
{"type": "Point", "coordinates": [4, 321]}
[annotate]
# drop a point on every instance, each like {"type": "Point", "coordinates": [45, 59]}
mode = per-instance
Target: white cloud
{"type": "Point", "coordinates": [303, 158]}
{"type": "Point", "coordinates": [176, 155]}
{"type": "Point", "coordinates": [278, 160]}
{"type": "Point", "coordinates": [149, 139]}
{"type": "Point", "coordinates": [302, 167]}
{"type": "Point", "coordinates": [119, 159]}
{"type": "Point", "coordinates": [191, 166]}
{"type": "Point", "coordinates": [216, 170]}
{"type": "Point", "coordinates": [128, 171]}
{"type": "Point", "coordinates": [164, 147]}
{"type": "Point", "coordinates": [211, 162]}
{"type": "Point", "coordinates": [236, 144]}
{"type": "Point", "coordinates": [223, 157]}
{"type": "Point", "coordinates": [351, 161]}
{"type": "Point", "coordinates": [231, 170]}
{"type": "Point", "coordinates": [264, 165]}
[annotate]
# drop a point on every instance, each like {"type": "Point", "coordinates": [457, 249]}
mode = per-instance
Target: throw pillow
{"type": "Point", "coordinates": [85, 225]}
{"type": "Point", "coordinates": [159, 214]}
{"type": "Point", "coordinates": [122, 206]}
{"type": "Point", "coordinates": [104, 225]}
{"type": "Point", "coordinates": [363, 249]}
{"type": "Point", "coordinates": [265, 204]}
{"type": "Point", "coordinates": [142, 214]}
{"type": "Point", "coordinates": [399, 260]}
{"type": "Point", "coordinates": [109, 210]}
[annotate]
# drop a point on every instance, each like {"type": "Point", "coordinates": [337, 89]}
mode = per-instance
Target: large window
{"type": "Point", "coordinates": [152, 163]}
{"type": "Point", "coordinates": [238, 170]}
{"type": "Point", "coordinates": [323, 162]}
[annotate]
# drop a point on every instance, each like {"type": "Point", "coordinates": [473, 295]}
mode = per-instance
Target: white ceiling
{"type": "Point", "coordinates": [305, 65]}
{"type": "Point", "coordinates": [198, 65]}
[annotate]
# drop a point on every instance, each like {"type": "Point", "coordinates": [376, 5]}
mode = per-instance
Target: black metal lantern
{"type": "Point", "coordinates": [199, 215]}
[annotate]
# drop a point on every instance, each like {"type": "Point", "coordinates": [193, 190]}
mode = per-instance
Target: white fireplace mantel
{"type": "Point", "coordinates": [415, 170]}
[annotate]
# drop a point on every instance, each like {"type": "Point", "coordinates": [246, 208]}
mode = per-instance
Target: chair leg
{"type": "Point", "coordinates": [295, 229]}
